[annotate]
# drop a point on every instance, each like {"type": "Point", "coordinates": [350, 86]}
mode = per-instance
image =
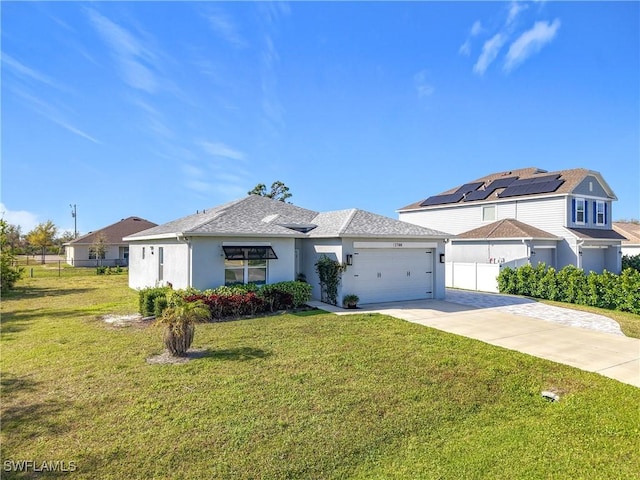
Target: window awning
{"type": "Point", "coordinates": [249, 253]}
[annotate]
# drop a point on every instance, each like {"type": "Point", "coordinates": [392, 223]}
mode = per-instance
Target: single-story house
{"type": "Point", "coordinates": [261, 240]}
{"type": "Point", "coordinates": [631, 232]}
{"type": "Point", "coordinates": [84, 250]}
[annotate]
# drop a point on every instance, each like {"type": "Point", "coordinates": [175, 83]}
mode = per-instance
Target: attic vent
{"type": "Point", "coordinates": [270, 218]}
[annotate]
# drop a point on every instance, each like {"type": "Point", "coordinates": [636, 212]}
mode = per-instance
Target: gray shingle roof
{"type": "Point", "coordinates": [255, 215]}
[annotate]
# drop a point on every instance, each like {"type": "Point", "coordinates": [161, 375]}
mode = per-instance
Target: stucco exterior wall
{"type": "Point", "coordinates": [208, 259]}
{"type": "Point", "coordinates": [78, 255]}
{"type": "Point", "coordinates": [144, 268]}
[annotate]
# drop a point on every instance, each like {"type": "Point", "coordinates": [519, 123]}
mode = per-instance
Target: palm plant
{"type": "Point", "coordinates": [179, 320]}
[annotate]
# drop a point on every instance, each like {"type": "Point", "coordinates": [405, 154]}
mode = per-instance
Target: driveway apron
{"type": "Point", "coordinates": [586, 341]}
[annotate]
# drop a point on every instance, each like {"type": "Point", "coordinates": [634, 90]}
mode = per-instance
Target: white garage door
{"type": "Point", "coordinates": [387, 275]}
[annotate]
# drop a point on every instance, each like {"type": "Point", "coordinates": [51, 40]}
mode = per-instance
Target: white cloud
{"type": "Point", "coordinates": [218, 149]}
{"type": "Point", "coordinates": [476, 28]}
{"type": "Point", "coordinates": [226, 29]}
{"type": "Point", "coordinates": [490, 51]}
{"type": "Point", "coordinates": [514, 10]}
{"type": "Point", "coordinates": [23, 71]}
{"type": "Point", "coordinates": [530, 42]}
{"type": "Point", "coordinates": [133, 58]}
{"type": "Point", "coordinates": [26, 220]}
{"type": "Point", "coordinates": [423, 87]}
{"type": "Point", "coordinates": [52, 113]}
{"type": "Point", "coordinates": [465, 48]}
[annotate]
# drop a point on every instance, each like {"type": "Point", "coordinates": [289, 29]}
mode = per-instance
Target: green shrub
{"type": "Point", "coordinates": [548, 285]}
{"type": "Point", "coordinates": [299, 291]}
{"type": "Point", "coordinates": [160, 303]}
{"type": "Point", "coordinates": [147, 299]}
{"type": "Point", "coordinates": [631, 261]}
{"type": "Point", "coordinates": [507, 280]}
{"type": "Point", "coordinates": [572, 285]}
{"type": "Point", "coordinates": [629, 291]}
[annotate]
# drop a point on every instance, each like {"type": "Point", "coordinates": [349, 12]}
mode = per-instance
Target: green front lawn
{"type": "Point", "coordinates": [309, 395]}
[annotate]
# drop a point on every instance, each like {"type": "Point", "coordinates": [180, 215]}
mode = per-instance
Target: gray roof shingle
{"type": "Point", "coordinates": [255, 215]}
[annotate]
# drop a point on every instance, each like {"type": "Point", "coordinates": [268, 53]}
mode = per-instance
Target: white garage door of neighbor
{"type": "Point", "coordinates": [388, 275]}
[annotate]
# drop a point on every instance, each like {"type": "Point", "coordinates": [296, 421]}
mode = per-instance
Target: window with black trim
{"type": "Point", "coordinates": [246, 264]}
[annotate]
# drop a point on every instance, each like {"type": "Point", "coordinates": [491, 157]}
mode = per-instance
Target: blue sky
{"type": "Point", "coordinates": [159, 109]}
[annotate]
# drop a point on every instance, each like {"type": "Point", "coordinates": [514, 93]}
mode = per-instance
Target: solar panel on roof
{"type": "Point", "coordinates": [542, 179]}
{"type": "Point", "coordinates": [442, 199]}
{"type": "Point", "coordinates": [531, 188]}
{"type": "Point", "coordinates": [492, 187]}
{"type": "Point", "coordinates": [477, 195]}
{"type": "Point", "coordinates": [469, 187]}
{"type": "Point", "coordinates": [501, 183]}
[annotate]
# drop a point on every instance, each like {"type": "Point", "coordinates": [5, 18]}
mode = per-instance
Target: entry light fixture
{"type": "Point", "coordinates": [442, 258]}
{"type": "Point", "coordinates": [349, 260]}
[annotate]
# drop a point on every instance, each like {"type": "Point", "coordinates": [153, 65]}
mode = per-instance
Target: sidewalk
{"type": "Point", "coordinates": [612, 355]}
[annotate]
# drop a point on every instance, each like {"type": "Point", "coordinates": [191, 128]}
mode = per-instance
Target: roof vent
{"type": "Point", "coordinates": [270, 218]}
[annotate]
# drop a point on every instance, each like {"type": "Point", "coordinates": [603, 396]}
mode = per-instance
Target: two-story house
{"type": "Point", "coordinates": [527, 216]}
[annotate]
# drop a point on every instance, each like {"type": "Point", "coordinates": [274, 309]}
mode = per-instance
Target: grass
{"type": "Point", "coordinates": [311, 395]}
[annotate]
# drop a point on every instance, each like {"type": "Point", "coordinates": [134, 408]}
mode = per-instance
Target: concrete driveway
{"type": "Point", "coordinates": [590, 342]}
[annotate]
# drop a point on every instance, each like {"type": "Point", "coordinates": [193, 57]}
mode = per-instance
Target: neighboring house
{"type": "Point", "coordinates": [631, 232]}
{"type": "Point", "coordinates": [527, 216]}
{"type": "Point", "coordinates": [81, 252]}
{"type": "Point", "coordinates": [260, 240]}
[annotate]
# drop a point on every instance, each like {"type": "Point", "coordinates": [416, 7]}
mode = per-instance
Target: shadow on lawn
{"type": "Point", "coordinates": [11, 383]}
{"type": "Point", "coordinates": [25, 293]}
{"type": "Point", "coordinates": [237, 354]}
{"type": "Point", "coordinates": [13, 322]}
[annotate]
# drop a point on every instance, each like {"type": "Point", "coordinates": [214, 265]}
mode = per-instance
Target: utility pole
{"type": "Point", "coordinates": [74, 214]}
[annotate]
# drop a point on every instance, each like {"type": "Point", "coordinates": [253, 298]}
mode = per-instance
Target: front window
{"type": "Point", "coordinates": [93, 255]}
{"type": "Point", "coordinates": [245, 271]}
{"type": "Point", "coordinates": [600, 215]}
{"type": "Point", "coordinates": [580, 210]}
{"type": "Point", "coordinates": [246, 263]}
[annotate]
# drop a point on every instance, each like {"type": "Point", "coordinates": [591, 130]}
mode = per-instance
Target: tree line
{"type": "Point", "coordinates": [42, 239]}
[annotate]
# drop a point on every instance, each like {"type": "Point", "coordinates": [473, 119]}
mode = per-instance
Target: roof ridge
{"type": "Point", "coordinates": [497, 225]}
{"type": "Point", "coordinates": [217, 211]}
{"type": "Point", "coordinates": [348, 220]}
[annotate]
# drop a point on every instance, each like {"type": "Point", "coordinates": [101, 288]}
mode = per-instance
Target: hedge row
{"type": "Point", "coordinates": [230, 302]}
{"type": "Point", "coordinates": [573, 285]}
{"type": "Point", "coordinates": [631, 261]}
